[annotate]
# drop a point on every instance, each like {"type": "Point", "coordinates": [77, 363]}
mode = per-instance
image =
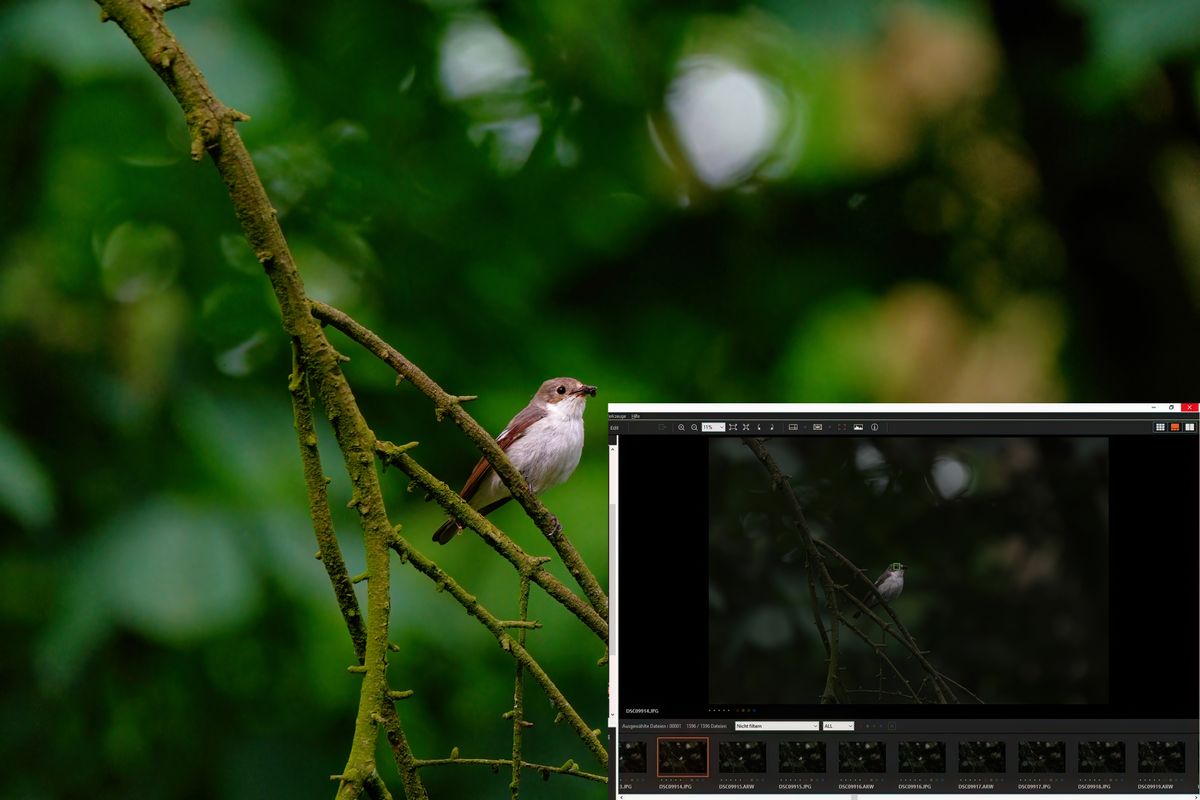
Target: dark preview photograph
{"type": "Point", "coordinates": [992, 553]}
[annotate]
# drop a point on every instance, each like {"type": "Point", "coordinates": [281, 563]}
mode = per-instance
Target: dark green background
{"type": "Point", "coordinates": [719, 201]}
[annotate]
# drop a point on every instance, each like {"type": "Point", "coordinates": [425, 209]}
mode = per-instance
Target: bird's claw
{"type": "Point", "coordinates": [556, 527]}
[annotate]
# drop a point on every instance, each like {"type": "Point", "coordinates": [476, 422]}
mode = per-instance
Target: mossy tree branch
{"type": "Point", "coordinates": [518, 709]}
{"type": "Point", "coordinates": [451, 405]}
{"type": "Point", "coordinates": [461, 510]}
{"type": "Point", "coordinates": [330, 554]}
{"type": "Point", "coordinates": [499, 629]}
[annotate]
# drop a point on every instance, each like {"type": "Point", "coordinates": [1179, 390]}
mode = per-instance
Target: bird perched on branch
{"type": "Point", "coordinates": [890, 584]}
{"type": "Point", "coordinates": [544, 441]}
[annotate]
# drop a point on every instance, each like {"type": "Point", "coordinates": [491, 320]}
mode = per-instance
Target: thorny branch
{"type": "Point", "coordinates": [499, 629]}
{"type": "Point", "coordinates": [518, 709]}
{"type": "Point", "coordinates": [330, 554]}
{"type": "Point", "coordinates": [570, 768]}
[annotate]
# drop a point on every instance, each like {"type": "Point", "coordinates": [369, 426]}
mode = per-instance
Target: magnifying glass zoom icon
{"type": "Point", "coordinates": [681, 426]}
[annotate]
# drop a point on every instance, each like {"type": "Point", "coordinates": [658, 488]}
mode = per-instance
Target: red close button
{"type": "Point", "coordinates": [1189, 408]}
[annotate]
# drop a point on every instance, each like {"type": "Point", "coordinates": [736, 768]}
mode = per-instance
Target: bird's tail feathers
{"type": "Point", "coordinates": [448, 531]}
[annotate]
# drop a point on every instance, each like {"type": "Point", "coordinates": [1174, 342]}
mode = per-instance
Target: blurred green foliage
{"type": "Point", "coordinates": [728, 201]}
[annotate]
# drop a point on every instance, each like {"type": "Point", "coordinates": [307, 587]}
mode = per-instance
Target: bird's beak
{"type": "Point", "coordinates": [585, 389]}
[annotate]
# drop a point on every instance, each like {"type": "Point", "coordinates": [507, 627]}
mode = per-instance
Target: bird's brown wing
{"type": "Point", "coordinates": [515, 430]}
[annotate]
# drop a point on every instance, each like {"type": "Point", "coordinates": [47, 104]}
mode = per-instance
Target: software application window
{"type": "Point", "coordinates": [904, 599]}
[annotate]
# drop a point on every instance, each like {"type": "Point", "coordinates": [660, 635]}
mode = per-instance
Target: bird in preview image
{"type": "Point", "coordinates": [889, 585]}
{"type": "Point", "coordinates": [544, 442]}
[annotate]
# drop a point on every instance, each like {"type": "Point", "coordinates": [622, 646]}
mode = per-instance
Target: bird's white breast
{"type": "Point", "coordinates": [546, 454]}
{"type": "Point", "coordinates": [891, 586]}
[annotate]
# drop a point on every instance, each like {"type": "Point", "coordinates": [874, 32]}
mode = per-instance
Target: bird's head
{"type": "Point", "coordinates": [896, 566]}
{"type": "Point", "coordinates": [565, 393]}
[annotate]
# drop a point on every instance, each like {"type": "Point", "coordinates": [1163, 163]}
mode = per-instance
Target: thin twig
{"type": "Point", "coordinates": [570, 768]}
{"type": "Point", "coordinates": [518, 709]}
{"type": "Point", "coordinates": [816, 605]}
{"type": "Point", "coordinates": [781, 484]}
{"type": "Point", "coordinates": [883, 656]}
{"type": "Point", "coordinates": [977, 698]}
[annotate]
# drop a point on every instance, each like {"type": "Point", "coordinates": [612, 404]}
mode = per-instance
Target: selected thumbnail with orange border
{"type": "Point", "coordinates": [658, 753]}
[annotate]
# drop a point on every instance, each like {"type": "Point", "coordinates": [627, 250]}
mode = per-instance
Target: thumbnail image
{"type": "Point", "coordinates": [981, 757]}
{"type": "Point", "coordinates": [1160, 757]}
{"type": "Point", "coordinates": [683, 756]}
{"type": "Point", "coordinates": [802, 757]}
{"type": "Point", "coordinates": [632, 757]}
{"type": "Point", "coordinates": [1101, 756]}
{"type": "Point", "coordinates": [861, 757]}
{"type": "Point", "coordinates": [922, 756]}
{"type": "Point", "coordinates": [734, 757]}
{"type": "Point", "coordinates": [1006, 538]}
{"type": "Point", "coordinates": [1042, 757]}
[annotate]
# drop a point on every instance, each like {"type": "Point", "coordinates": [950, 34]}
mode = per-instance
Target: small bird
{"type": "Point", "coordinates": [890, 584]}
{"type": "Point", "coordinates": [544, 441]}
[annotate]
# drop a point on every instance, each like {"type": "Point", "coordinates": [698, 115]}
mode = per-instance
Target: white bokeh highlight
{"type": "Point", "coordinates": [727, 119]}
{"type": "Point", "coordinates": [476, 58]}
{"type": "Point", "coordinates": [951, 477]}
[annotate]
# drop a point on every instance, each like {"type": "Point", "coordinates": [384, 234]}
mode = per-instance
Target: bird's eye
{"type": "Point", "coordinates": [562, 390]}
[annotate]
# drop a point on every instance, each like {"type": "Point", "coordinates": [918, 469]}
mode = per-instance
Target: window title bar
{"type": "Point", "coordinates": [717, 409]}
